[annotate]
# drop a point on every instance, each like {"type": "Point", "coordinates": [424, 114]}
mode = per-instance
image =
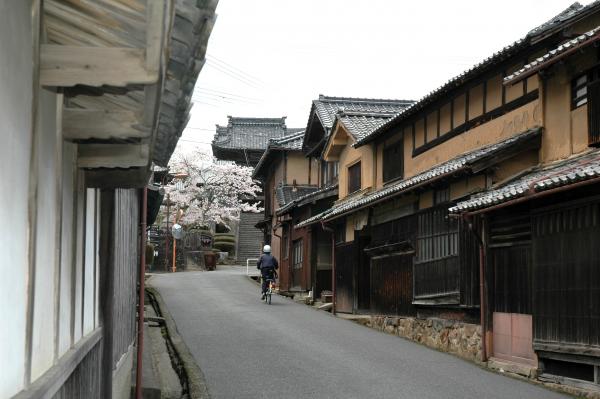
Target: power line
{"type": "Point", "coordinates": [221, 92]}
{"type": "Point", "coordinates": [210, 56]}
{"type": "Point", "coordinates": [236, 77]}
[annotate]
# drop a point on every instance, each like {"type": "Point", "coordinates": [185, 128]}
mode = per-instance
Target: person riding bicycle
{"type": "Point", "coordinates": [267, 264]}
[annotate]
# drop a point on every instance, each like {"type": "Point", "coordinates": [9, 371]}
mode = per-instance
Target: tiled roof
{"type": "Point", "coordinates": [564, 173]}
{"type": "Point", "coordinates": [250, 133]}
{"type": "Point", "coordinates": [290, 142]}
{"type": "Point", "coordinates": [572, 13]}
{"type": "Point", "coordinates": [306, 197]}
{"type": "Point", "coordinates": [554, 55]}
{"type": "Point", "coordinates": [327, 107]}
{"type": "Point", "coordinates": [361, 124]}
{"type": "Point", "coordinates": [460, 163]}
{"type": "Point", "coordinates": [286, 194]}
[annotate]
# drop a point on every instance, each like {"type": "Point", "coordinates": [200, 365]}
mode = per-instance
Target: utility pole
{"type": "Point", "coordinates": [167, 234]}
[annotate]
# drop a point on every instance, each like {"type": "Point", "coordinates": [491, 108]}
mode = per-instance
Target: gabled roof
{"type": "Point", "coordinates": [325, 108]}
{"type": "Point", "coordinates": [249, 133]}
{"type": "Point", "coordinates": [324, 192]}
{"type": "Point", "coordinates": [361, 124]}
{"type": "Point", "coordinates": [553, 56]}
{"type": "Point", "coordinates": [467, 162]}
{"type": "Point", "coordinates": [291, 142]}
{"type": "Point", "coordinates": [570, 171]}
{"type": "Point", "coordinates": [570, 15]}
{"type": "Point", "coordinates": [286, 194]}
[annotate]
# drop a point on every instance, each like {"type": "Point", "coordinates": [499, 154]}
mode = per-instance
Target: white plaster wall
{"type": "Point", "coordinates": [42, 355]}
{"type": "Point", "coordinates": [66, 269]}
{"type": "Point", "coordinates": [90, 259]}
{"type": "Point", "coordinates": [15, 128]}
{"type": "Point", "coordinates": [79, 252]}
{"type": "Point", "coordinates": [97, 269]}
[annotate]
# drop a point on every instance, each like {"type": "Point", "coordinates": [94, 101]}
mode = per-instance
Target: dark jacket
{"type": "Point", "coordinates": [267, 263]}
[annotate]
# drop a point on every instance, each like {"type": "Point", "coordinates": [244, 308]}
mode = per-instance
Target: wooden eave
{"type": "Point", "coordinates": [337, 141]}
{"type": "Point", "coordinates": [113, 62]}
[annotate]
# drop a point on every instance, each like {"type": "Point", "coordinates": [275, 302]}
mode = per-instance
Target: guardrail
{"type": "Point", "coordinates": [248, 265]}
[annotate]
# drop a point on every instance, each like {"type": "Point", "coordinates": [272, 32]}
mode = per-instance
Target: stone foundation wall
{"type": "Point", "coordinates": [462, 339]}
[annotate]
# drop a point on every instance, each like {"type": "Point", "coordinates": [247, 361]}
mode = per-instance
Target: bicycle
{"type": "Point", "coordinates": [270, 285]}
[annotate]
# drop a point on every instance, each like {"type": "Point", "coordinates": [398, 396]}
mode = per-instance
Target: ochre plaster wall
{"type": "Point", "coordinates": [350, 156]}
{"type": "Point", "coordinates": [297, 168]}
{"type": "Point", "coordinates": [494, 131]}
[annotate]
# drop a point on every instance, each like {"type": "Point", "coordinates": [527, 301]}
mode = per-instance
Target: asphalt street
{"type": "Point", "coordinates": [248, 349]}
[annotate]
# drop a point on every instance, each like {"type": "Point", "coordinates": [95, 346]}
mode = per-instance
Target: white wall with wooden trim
{"type": "Point", "coordinates": [42, 351]}
{"type": "Point", "coordinates": [16, 71]}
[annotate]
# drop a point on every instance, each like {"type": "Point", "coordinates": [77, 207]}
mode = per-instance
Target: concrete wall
{"type": "Point", "coordinates": [15, 124]}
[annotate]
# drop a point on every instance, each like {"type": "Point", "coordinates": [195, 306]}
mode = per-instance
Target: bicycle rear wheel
{"type": "Point", "coordinates": [269, 298]}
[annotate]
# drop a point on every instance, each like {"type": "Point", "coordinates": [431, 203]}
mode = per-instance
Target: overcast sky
{"type": "Point", "coordinates": [271, 58]}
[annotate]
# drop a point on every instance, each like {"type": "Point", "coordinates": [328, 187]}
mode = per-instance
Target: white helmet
{"type": "Point", "coordinates": [267, 249]}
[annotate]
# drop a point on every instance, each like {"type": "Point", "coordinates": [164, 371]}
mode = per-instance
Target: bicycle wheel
{"type": "Point", "coordinates": [269, 298]}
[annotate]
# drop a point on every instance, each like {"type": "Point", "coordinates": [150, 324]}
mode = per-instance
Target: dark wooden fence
{"type": "Point", "coordinates": [346, 262]}
{"type": "Point", "coordinates": [85, 380]}
{"type": "Point", "coordinates": [391, 284]}
{"type": "Point", "coordinates": [511, 262]}
{"type": "Point", "coordinates": [126, 261]}
{"type": "Point", "coordinates": [566, 259]}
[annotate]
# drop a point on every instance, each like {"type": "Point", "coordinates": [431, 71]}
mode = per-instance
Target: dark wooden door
{"type": "Point", "coordinates": [363, 277]}
{"type": "Point", "coordinates": [346, 261]}
{"type": "Point", "coordinates": [511, 303]}
{"type": "Point", "coordinates": [392, 284]}
{"type": "Point", "coordinates": [566, 278]}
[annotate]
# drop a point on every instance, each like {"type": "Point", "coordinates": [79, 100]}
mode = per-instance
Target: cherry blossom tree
{"type": "Point", "coordinates": [208, 191]}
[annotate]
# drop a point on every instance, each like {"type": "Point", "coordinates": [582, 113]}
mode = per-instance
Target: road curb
{"type": "Point", "coordinates": [195, 377]}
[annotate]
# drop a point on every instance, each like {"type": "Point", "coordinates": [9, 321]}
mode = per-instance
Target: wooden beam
{"type": "Point", "coordinates": [117, 178]}
{"type": "Point", "coordinates": [155, 22]}
{"type": "Point", "coordinates": [94, 66]}
{"type": "Point", "coordinates": [113, 155]}
{"type": "Point", "coordinates": [81, 124]}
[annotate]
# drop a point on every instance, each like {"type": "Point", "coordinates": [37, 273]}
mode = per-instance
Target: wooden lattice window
{"type": "Point", "coordinates": [393, 161]}
{"type": "Point", "coordinates": [579, 91]}
{"type": "Point", "coordinates": [593, 101]}
{"type": "Point", "coordinates": [297, 254]}
{"type": "Point", "coordinates": [437, 235]}
{"type": "Point", "coordinates": [354, 182]}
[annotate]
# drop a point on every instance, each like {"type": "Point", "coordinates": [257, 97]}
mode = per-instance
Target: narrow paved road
{"type": "Point", "coordinates": [248, 349]}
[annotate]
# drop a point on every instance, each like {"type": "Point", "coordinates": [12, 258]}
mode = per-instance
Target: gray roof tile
{"type": "Point", "coordinates": [327, 107]}
{"type": "Point", "coordinates": [454, 165]}
{"type": "Point", "coordinates": [570, 171]}
{"type": "Point", "coordinates": [548, 58]}
{"type": "Point", "coordinates": [361, 124]}
{"type": "Point", "coordinates": [285, 194]}
{"type": "Point", "coordinates": [250, 133]}
{"type": "Point", "coordinates": [306, 197]}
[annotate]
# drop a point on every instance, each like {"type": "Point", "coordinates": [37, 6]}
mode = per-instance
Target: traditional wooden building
{"type": "Point", "coordinates": [286, 176]}
{"type": "Point", "coordinates": [410, 239]}
{"type": "Point", "coordinates": [92, 94]}
{"type": "Point", "coordinates": [542, 226]}
{"type": "Point", "coordinates": [244, 141]}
